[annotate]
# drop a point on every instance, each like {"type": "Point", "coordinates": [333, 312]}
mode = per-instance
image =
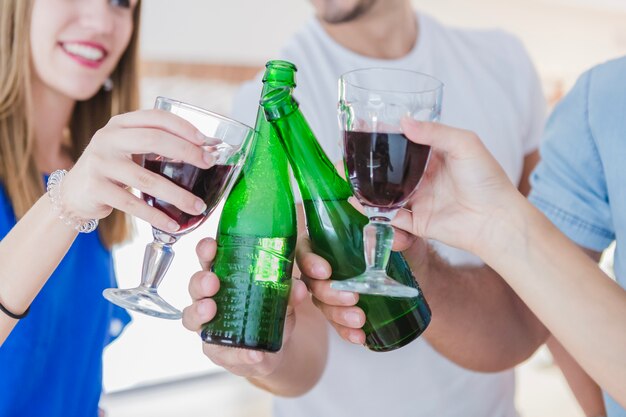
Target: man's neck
{"type": "Point", "coordinates": [385, 32]}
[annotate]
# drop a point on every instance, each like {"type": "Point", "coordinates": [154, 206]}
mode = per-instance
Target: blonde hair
{"type": "Point", "coordinates": [18, 170]}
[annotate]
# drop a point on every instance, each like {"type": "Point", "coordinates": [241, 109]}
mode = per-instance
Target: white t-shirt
{"type": "Point", "coordinates": [491, 88]}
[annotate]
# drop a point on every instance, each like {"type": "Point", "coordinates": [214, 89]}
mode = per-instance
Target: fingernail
{"type": "Point", "coordinates": [319, 271]}
{"type": "Point", "coordinates": [255, 356]}
{"type": "Point", "coordinates": [354, 338]}
{"type": "Point", "coordinates": [173, 226]}
{"type": "Point", "coordinates": [347, 297]}
{"type": "Point", "coordinates": [199, 205]}
{"type": "Point", "coordinates": [208, 157]}
{"type": "Point", "coordinates": [203, 309]}
{"type": "Point", "coordinates": [353, 318]}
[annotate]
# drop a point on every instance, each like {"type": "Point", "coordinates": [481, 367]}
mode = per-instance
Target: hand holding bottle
{"type": "Point", "coordinates": [243, 362]}
{"type": "Point", "coordinates": [339, 307]}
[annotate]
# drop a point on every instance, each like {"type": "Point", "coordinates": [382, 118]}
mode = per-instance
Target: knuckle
{"type": "Point", "coordinates": [324, 292]}
{"type": "Point", "coordinates": [158, 218]}
{"type": "Point", "coordinates": [131, 204]}
{"type": "Point", "coordinates": [151, 138]}
{"type": "Point", "coordinates": [336, 314]}
{"type": "Point", "coordinates": [145, 180]}
{"type": "Point", "coordinates": [191, 152]}
{"type": "Point", "coordinates": [189, 201]}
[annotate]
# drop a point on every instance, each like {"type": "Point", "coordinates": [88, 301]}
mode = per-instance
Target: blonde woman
{"type": "Point", "coordinates": [66, 67]}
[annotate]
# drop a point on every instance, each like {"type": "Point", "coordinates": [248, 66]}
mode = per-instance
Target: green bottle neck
{"type": "Point", "coordinates": [261, 203]}
{"type": "Point", "coordinates": [316, 175]}
{"type": "Point", "coordinates": [267, 155]}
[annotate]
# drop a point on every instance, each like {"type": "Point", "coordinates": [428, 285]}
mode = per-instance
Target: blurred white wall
{"type": "Point", "coordinates": [564, 37]}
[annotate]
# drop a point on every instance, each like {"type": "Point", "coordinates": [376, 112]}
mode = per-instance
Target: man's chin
{"type": "Point", "coordinates": [348, 16]}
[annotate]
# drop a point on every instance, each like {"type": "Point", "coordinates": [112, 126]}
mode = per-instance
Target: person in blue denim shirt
{"type": "Point", "coordinates": [579, 185]}
{"type": "Point", "coordinates": [541, 281]}
{"type": "Point", "coordinates": [66, 67]}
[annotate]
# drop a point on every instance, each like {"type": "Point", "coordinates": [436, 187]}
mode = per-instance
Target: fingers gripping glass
{"type": "Point", "coordinates": [229, 141]}
{"type": "Point", "coordinates": [384, 168]}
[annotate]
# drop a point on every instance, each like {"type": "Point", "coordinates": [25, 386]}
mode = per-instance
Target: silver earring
{"type": "Point", "coordinates": [108, 85]}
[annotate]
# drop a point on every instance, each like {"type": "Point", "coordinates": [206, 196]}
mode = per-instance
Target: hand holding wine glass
{"type": "Point", "coordinates": [99, 180]}
{"type": "Point", "coordinates": [208, 184]}
{"type": "Point", "coordinates": [383, 167]}
{"type": "Point", "coordinates": [463, 191]}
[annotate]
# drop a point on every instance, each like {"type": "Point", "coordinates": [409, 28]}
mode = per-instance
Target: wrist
{"type": "Point", "coordinates": [506, 231]}
{"type": "Point", "coordinates": [55, 193]}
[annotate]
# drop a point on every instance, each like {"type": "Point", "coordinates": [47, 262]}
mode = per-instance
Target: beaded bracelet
{"type": "Point", "coordinates": [54, 192]}
{"type": "Point", "coordinates": [13, 315]}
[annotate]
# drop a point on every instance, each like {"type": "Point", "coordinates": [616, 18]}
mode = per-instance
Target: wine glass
{"type": "Point", "coordinates": [384, 168]}
{"type": "Point", "coordinates": [229, 141]}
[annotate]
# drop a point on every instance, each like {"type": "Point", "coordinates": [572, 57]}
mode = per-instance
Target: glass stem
{"type": "Point", "coordinates": [377, 241]}
{"type": "Point", "coordinates": [157, 259]}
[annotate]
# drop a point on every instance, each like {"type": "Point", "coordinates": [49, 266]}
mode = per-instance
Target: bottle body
{"type": "Point", "coordinates": [256, 244]}
{"type": "Point", "coordinates": [255, 281]}
{"type": "Point", "coordinates": [336, 229]}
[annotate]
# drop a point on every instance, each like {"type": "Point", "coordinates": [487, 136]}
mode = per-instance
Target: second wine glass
{"type": "Point", "coordinates": [230, 141]}
{"type": "Point", "coordinates": [384, 168]}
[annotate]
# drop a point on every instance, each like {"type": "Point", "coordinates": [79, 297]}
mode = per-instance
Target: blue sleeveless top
{"type": "Point", "coordinates": [51, 364]}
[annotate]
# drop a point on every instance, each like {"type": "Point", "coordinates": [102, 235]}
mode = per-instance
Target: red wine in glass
{"type": "Point", "coordinates": [207, 184]}
{"type": "Point", "coordinates": [384, 168]}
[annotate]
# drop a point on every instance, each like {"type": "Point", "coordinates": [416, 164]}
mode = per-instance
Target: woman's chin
{"type": "Point", "coordinates": [83, 93]}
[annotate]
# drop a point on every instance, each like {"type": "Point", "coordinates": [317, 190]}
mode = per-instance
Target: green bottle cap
{"type": "Point", "coordinates": [278, 63]}
{"type": "Point", "coordinates": [280, 72]}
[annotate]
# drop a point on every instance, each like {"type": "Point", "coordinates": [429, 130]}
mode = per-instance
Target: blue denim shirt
{"type": "Point", "coordinates": [580, 184]}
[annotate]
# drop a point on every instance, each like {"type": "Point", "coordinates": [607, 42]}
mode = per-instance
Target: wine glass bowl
{"type": "Point", "coordinates": [229, 142]}
{"type": "Point", "coordinates": [383, 166]}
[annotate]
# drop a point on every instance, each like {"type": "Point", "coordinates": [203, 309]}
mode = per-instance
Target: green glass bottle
{"type": "Point", "coordinates": [256, 241]}
{"type": "Point", "coordinates": [336, 228]}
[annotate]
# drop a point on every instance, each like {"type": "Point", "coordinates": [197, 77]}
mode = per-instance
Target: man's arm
{"type": "Point", "coordinates": [478, 321]}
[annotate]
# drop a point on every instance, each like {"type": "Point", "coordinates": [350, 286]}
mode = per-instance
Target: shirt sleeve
{"type": "Point", "coordinates": [568, 185]}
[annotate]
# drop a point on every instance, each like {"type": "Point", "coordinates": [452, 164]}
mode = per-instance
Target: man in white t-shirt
{"type": "Point", "coordinates": [492, 89]}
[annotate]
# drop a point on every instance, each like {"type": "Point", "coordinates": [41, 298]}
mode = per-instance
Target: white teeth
{"type": "Point", "coordinates": [84, 51]}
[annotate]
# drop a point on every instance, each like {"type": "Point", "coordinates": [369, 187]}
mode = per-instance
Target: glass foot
{"type": "Point", "coordinates": [142, 300]}
{"type": "Point", "coordinates": [375, 285]}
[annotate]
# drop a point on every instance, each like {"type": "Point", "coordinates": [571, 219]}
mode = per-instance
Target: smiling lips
{"type": "Point", "coordinates": [85, 53]}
